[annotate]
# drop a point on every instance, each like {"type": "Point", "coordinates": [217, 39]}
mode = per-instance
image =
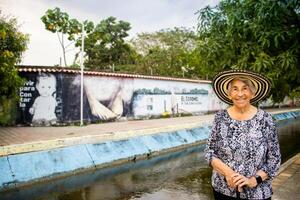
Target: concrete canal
{"type": "Point", "coordinates": [178, 175]}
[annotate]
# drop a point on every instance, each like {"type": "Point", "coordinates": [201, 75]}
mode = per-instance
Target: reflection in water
{"type": "Point", "coordinates": [180, 175]}
{"type": "Point", "coordinates": [289, 133]}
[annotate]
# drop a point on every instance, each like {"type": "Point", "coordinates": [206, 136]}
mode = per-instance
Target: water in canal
{"type": "Point", "coordinates": [180, 175]}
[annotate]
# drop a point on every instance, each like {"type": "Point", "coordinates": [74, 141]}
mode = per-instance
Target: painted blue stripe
{"type": "Point", "coordinates": [34, 165]}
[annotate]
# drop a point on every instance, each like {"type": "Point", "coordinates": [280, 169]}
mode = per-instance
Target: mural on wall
{"type": "Point", "coordinates": [159, 96]}
{"type": "Point", "coordinates": [109, 97]}
{"type": "Point", "coordinates": [43, 108]}
{"type": "Point", "coordinates": [38, 100]}
{"type": "Point", "coordinates": [50, 98]}
{"type": "Point", "coordinates": [54, 98]}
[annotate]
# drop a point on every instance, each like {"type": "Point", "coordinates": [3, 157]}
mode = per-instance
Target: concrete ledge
{"type": "Point", "coordinates": [22, 169]}
{"type": "Point", "coordinates": [118, 135]}
{"type": "Point", "coordinates": [286, 115]}
{"type": "Point", "coordinates": [7, 176]}
{"type": "Point", "coordinates": [286, 171]}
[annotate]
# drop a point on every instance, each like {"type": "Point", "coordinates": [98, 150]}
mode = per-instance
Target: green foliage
{"type": "Point", "coordinates": [261, 36]}
{"type": "Point", "coordinates": [59, 22]}
{"type": "Point", "coordinates": [167, 52]}
{"type": "Point", "coordinates": [8, 111]}
{"type": "Point", "coordinates": [105, 45]}
{"type": "Point", "coordinates": [12, 45]}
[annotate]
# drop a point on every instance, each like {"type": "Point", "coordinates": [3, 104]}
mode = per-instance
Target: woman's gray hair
{"type": "Point", "coordinates": [244, 80]}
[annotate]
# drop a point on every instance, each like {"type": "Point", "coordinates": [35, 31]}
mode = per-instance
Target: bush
{"type": "Point", "coordinates": [12, 45]}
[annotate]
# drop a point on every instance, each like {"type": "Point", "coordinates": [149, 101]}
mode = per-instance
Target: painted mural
{"type": "Point", "coordinates": [156, 96]}
{"type": "Point", "coordinates": [40, 100]}
{"type": "Point", "coordinates": [54, 98]}
{"type": "Point", "coordinates": [109, 98]}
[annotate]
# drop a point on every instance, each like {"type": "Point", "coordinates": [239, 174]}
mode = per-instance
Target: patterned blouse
{"type": "Point", "coordinates": [245, 146]}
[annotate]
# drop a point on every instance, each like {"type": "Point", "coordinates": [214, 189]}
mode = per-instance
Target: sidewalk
{"type": "Point", "coordinates": [286, 184]}
{"type": "Point", "coordinates": [15, 140]}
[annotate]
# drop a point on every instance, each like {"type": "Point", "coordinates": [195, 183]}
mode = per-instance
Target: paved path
{"type": "Point", "coordinates": [15, 140]}
{"type": "Point", "coordinates": [19, 135]}
{"type": "Point", "coordinates": [287, 184]}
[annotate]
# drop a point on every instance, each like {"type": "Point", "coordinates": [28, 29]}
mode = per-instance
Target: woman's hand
{"type": "Point", "coordinates": [240, 181]}
{"type": "Point", "coordinates": [229, 179]}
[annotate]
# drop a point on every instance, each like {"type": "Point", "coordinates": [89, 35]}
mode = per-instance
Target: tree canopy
{"type": "Point", "coordinates": [262, 36]}
{"type": "Point", "coordinates": [166, 52]}
{"type": "Point", "coordinates": [104, 42]}
{"type": "Point", "coordinates": [12, 44]}
{"type": "Point", "coordinates": [106, 46]}
{"type": "Point", "coordinates": [59, 22]}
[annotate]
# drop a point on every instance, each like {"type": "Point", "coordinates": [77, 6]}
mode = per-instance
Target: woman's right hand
{"type": "Point", "coordinates": [224, 170]}
{"type": "Point", "coordinates": [229, 179]}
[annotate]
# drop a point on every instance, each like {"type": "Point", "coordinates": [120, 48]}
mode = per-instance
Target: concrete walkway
{"type": "Point", "coordinates": [287, 184]}
{"type": "Point", "coordinates": [14, 140]}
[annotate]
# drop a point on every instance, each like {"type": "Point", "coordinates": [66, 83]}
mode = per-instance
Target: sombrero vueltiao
{"type": "Point", "coordinates": [261, 83]}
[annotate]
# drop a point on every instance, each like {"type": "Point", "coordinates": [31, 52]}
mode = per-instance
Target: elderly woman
{"type": "Point", "coordinates": [243, 147]}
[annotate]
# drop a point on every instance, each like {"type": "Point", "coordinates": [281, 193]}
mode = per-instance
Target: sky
{"type": "Point", "coordinates": [143, 15]}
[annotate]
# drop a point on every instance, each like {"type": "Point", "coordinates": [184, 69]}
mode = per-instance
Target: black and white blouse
{"type": "Point", "coordinates": [245, 146]}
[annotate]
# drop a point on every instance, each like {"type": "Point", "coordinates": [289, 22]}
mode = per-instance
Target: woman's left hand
{"type": "Point", "coordinates": [240, 181]}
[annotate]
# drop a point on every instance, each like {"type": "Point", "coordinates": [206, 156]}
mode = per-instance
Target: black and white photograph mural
{"type": "Point", "coordinates": [53, 98]}
{"type": "Point", "coordinates": [43, 108]}
{"type": "Point", "coordinates": [39, 100]}
{"type": "Point", "coordinates": [109, 97]}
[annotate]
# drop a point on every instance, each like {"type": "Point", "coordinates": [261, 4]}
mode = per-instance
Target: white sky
{"type": "Point", "coordinates": [143, 15]}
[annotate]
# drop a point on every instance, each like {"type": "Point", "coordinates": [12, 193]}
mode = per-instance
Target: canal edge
{"type": "Point", "coordinates": [286, 171]}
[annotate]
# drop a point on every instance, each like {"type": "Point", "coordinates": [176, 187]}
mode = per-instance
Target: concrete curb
{"type": "Point", "coordinates": [118, 135]}
{"type": "Point", "coordinates": [286, 171]}
{"type": "Point", "coordinates": [22, 169]}
{"type": "Point", "coordinates": [285, 165]}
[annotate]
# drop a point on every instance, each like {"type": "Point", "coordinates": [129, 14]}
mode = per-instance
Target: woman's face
{"type": "Point", "coordinates": [240, 94]}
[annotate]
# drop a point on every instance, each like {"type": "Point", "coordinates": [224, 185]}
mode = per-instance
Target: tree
{"type": "Point", "coordinates": [261, 36]}
{"type": "Point", "coordinates": [104, 43]}
{"type": "Point", "coordinates": [12, 44]}
{"type": "Point", "coordinates": [59, 22]}
{"type": "Point", "coordinates": [105, 46]}
{"type": "Point", "coordinates": [166, 52]}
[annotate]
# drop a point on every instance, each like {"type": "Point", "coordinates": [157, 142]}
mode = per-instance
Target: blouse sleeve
{"type": "Point", "coordinates": [211, 146]}
{"type": "Point", "coordinates": [273, 157]}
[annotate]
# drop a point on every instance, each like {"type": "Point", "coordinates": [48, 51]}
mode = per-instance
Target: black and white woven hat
{"type": "Point", "coordinates": [261, 83]}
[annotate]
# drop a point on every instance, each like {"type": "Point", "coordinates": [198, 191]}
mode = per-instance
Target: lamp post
{"type": "Point", "coordinates": [81, 76]}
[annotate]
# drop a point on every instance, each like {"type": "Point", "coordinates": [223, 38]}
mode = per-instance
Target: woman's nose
{"type": "Point", "coordinates": [240, 93]}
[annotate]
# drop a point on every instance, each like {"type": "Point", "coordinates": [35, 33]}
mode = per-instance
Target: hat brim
{"type": "Point", "coordinates": [261, 83]}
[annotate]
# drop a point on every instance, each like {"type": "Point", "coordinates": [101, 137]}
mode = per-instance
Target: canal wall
{"type": "Point", "coordinates": [26, 168]}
